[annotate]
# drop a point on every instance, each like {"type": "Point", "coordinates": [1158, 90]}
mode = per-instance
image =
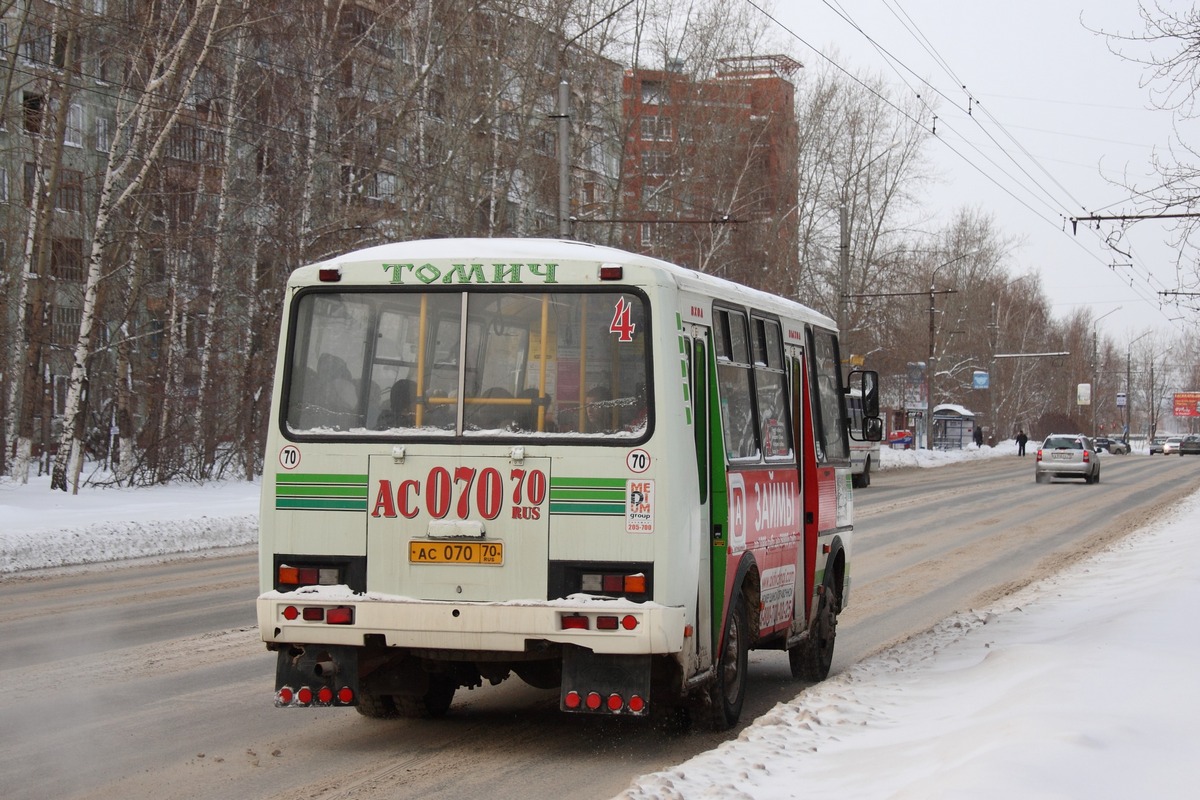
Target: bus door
{"type": "Point", "coordinates": [699, 370]}
{"type": "Point", "coordinates": [803, 431]}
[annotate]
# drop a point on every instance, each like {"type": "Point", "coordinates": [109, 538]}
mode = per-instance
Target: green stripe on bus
{"type": "Point", "coordinates": [321, 491]}
{"type": "Point", "coordinates": [611, 495]}
{"type": "Point", "coordinates": [586, 483]}
{"type": "Point", "coordinates": [339, 480]}
{"type": "Point", "coordinates": [318, 504]}
{"type": "Point", "coordinates": [617, 509]}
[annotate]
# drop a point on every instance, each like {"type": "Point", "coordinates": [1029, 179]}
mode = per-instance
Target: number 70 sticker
{"type": "Point", "coordinates": [289, 457]}
{"type": "Point", "coordinates": [637, 460]}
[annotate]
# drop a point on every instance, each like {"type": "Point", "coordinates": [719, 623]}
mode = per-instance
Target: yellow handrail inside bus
{"type": "Point", "coordinates": [420, 415]}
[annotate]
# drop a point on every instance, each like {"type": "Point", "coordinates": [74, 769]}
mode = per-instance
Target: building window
{"type": "Point", "coordinates": [647, 234]}
{"type": "Point", "coordinates": [652, 93]}
{"type": "Point", "coordinates": [66, 259]}
{"type": "Point", "coordinates": [385, 186]}
{"type": "Point", "coordinates": [70, 191]}
{"type": "Point", "coordinates": [36, 49]}
{"type": "Point", "coordinates": [656, 129]}
{"type": "Point", "coordinates": [34, 105]}
{"type": "Point", "coordinates": [102, 137]}
{"type": "Point", "coordinates": [66, 325]}
{"type": "Point", "coordinates": [61, 384]}
{"type": "Point", "coordinates": [652, 162]}
{"type": "Point", "coordinates": [74, 133]}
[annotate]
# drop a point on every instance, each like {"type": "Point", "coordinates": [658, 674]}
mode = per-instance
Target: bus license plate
{"type": "Point", "coordinates": [427, 552]}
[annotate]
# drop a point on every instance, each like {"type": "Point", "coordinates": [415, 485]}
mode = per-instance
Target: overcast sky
{"type": "Point", "coordinates": [1043, 90]}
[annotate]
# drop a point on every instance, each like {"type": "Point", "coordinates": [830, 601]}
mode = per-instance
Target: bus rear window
{"type": "Point", "coordinates": [453, 364]}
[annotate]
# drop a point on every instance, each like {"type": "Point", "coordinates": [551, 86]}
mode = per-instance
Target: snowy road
{"type": "Point", "coordinates": [150, 681]}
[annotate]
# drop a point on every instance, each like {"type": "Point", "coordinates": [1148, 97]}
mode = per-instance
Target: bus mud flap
{"type": "Point", "coordinates": [318, 666]}
{"type": "Point", "coordinates": [604, 674]}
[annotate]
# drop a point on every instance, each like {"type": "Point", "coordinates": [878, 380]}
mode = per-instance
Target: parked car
{"type": "Point", "coordinates": [1156, 444]}
{"type": "Point", "coordinates": [1171, 445]}
{"type": "Point", "coordinates": [1114, 446]}
{"type": "Point", "coordinates": [1190, 446]}
{"type": "Point", "coordinates": [1067, 455]}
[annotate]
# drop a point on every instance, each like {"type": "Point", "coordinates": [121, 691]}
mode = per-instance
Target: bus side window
{"type": "Point", "coordinates": [733, 378]}
{"type": "Point", "coordinates": [770, 390]}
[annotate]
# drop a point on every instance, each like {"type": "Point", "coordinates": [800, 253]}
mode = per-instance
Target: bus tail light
{"type": "Point", "coordinates": [575, 622]}
{"type": "Point", "coordinates": [290, 576]}
{"type": "Point", "coordinates": [613, 583]}
{"type": "Point", "coordinates": [342, 615]}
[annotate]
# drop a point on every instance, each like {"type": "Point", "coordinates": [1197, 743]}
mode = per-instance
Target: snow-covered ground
{"type": "Point", "coordinates": [1082, 686]}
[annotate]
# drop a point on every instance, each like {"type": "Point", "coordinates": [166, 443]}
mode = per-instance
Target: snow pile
{"type": "Point", "coordinates": [42, 528]}
{"type": "Point", "coordinates": [1081, 686]}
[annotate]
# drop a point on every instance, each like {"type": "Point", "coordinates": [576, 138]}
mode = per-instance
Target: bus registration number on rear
{"type": "Point", "coordinates": [426, 552]}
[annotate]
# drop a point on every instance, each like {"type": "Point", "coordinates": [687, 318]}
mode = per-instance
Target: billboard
{"type": "Point", "coordinates": [1187, 404]}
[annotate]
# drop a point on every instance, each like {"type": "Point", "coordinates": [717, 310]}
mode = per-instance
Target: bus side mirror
{"type": "Point", "coordinates": [866, 381]}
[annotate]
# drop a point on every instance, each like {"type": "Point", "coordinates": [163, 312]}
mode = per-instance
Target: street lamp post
{"type": "Point", "coordinates": [1154, 404]}
{"type": "Point", "coordinates": [1129, 384]}
{"type": "Point", "coordinates": [1095, 366]}
{"type": "Point", "coordinates": [844, 240]}
{"type": "Point", "coordinates": [931, 373]}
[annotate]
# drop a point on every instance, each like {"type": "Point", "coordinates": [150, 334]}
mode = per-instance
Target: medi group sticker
{"type": "Point", "coordinates": [639, 506]}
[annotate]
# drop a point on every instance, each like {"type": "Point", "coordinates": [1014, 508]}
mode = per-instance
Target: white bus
{"type": "Point", "coordinates": [606, 474]}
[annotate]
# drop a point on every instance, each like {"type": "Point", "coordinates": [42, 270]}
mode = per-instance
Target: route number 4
{"type": "Point", "coordinates": [622, 321]}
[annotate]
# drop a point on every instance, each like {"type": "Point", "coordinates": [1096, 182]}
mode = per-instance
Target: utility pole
{"type": "Point", "coordinates": [564, 159]}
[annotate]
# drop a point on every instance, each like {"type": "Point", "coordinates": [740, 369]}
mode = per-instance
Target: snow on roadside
{"type": "Point", "coordinates": [40, 528]}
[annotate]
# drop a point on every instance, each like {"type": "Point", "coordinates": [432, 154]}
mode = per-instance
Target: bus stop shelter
{"type": "Point", "coordinates": [953, 427]}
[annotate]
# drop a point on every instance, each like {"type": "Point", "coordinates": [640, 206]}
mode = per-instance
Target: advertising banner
{"type": "Point", "coordinates": [1187, 404]}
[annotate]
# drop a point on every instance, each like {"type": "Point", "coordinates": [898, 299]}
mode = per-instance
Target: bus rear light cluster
{"type": "Point", "coordinates": [306, 696]}
{"type": "Point", "coordinates": [338, 615]}
{"type": "Point", "coordinates": [601, 622]}
{"type": "Point", "coordinates": [614, 703]}
{"type": "Point", "coordinates": [613, 583]}
{"type": "Point", "coordinates": [308, 576]}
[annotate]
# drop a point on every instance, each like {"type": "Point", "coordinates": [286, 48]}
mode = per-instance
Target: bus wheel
{"type": "Point", "coordinates": [434, 703]}
{"type": "Point", "coordinates": [729, 689]}
{"type": "Point", "coordinates": [812, 658]}
{"type": "Point", "coordinates": [377, 706]}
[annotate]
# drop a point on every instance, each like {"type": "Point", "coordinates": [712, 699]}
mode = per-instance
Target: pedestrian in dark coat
{"type": "Point", "coordinates": [1021, 440]}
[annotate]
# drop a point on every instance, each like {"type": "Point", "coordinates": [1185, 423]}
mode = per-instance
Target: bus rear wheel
{"type": "Point", "coordinates": [434, 703]}
{"type": "Point", "coordinates": [728, 690]}
{"type": "Point", "coordinates": [811, 659]}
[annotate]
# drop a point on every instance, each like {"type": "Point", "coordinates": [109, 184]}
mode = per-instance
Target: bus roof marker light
{"type": "Point", "coordinates": [331, 274]}
{"type": "Point", "coordinates": [611, 272]}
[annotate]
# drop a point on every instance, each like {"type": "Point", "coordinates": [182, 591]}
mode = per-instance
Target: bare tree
{"type": "Point", "coordinates": [179, 39]}
{"type": "Point", "coordinates": [1167, 48]}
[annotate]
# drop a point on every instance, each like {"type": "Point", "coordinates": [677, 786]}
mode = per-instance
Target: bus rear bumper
{"type": "Point", "coordinates": [602, 626]}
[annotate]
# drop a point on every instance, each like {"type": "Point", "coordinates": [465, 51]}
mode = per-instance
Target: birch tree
{"type": "Point", "coordinates": [178, 40]}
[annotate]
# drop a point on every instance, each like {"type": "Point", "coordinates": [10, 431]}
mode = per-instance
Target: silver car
{"type": "Point", "coordinates": [1070, 455]}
